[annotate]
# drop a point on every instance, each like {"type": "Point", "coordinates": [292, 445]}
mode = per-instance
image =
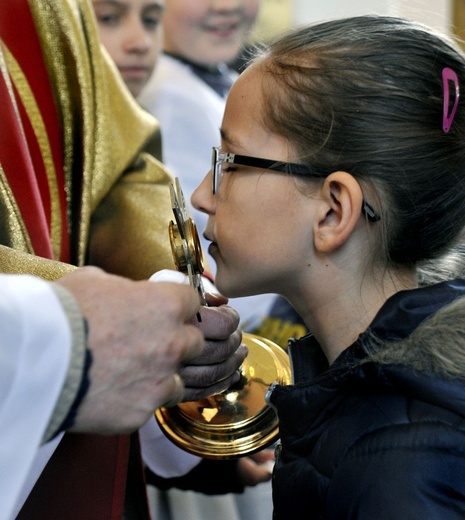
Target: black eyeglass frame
{"type": "Point", "coordinates": [219, 157]}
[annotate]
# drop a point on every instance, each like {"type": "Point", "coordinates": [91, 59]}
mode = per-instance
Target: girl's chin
{"type": "Point", "coordinates": [225, 286]}
{"type": "Point", "coordinates": [228, 288]}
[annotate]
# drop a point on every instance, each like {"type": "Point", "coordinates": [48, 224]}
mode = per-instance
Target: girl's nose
{"type": "Point", "coordinates": [203, 199]}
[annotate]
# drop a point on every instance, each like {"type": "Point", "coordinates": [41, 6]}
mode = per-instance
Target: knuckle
{"type": "Point", "coordinates": [173, 307]}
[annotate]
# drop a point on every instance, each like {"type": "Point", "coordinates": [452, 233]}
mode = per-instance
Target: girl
{"type": "Point", "coordinates": [341, 171]}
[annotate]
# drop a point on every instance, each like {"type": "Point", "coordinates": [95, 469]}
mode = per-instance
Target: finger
{"type": "Point", "coordinates": [251, 473]}
{"type": "Point", "coordinates": [195, 344]}
{"type": "Point", "coordinates": [215, 299]}
{"type": "Point", "coordinates": [218, 323]}
{"type": "Point", "coordinates": [175, 391]}
{"type": "Point", "coordinates": [198, 376]}
{"type": "Point", "coordinates": [189, 299]}
{"type": "Point", "coordinates": [215, 352]}
{"type": "Point", "coordinates": [196, 394]}
{"type": "Point", "coordinates": [263, 456]}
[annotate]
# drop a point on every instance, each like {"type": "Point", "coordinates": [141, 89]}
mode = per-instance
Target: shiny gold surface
{"type": "Point", "coordinates": [185, 243]}
{"type": "Point", "coordinates": [238, 421]}
{"type": "Point", "coordinates": [192, 242]}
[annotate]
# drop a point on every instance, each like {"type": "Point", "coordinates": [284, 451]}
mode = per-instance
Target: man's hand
{"type": "Point", "coordinates": [139, 333]}
{"type": "Point", "coordinates": [216, 369]}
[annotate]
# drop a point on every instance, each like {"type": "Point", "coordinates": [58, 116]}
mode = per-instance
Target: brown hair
{"type": "Point", "coordinates": [365, 95]}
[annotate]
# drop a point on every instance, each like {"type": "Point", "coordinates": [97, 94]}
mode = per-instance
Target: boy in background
{"type": "Point", "coordinates": [131, 32]}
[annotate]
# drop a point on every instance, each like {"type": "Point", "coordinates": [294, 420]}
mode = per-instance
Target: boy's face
{"type": "Point", "coordinates": [131, 31]}
{"type": "Point", "coordinates": [208, 32]}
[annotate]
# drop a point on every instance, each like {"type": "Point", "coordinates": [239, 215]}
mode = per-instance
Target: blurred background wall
{"type": "Point", "coordinates": [277, 15]}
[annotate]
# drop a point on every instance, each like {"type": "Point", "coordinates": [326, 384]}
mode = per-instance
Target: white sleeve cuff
{"type": "Point", "coordinates": [161, 456]}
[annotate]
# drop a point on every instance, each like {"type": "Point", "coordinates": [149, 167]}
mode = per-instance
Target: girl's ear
{"type": "Point", "coordinates": [340, 209]}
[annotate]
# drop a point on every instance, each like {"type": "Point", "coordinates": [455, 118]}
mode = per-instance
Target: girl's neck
{"type": "Point", "coordinates": [341, 310]}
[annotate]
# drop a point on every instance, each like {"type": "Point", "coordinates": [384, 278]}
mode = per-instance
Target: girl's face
{"type": "Point", "coordinates": [258, 219]}
{"type": "Point", "coordinates": [208, 32]}
{"type": "Point", "coordinates": [131, 32]}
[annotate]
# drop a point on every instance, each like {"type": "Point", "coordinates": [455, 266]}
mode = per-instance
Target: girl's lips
{"type": "Point", "coordinates": [212, 248]}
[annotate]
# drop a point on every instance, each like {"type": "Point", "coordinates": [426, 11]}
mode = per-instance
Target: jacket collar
{"type": "Point", "coordinates": [398, 317]}
{"type": "Point", "coordinates": [405, 310]}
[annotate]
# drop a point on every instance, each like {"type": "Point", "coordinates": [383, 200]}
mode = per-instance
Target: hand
{"type": "Point", "coordinates": [257, 468]}
{"type": "Point", "coordinates": [217, 368]}
{"type": "Point", "coordinates": [139, 333]}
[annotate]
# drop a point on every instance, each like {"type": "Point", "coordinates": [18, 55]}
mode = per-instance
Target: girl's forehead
{"type": "Point", "coordinates": [244, 100]}
{"type": "Point", "coordinates": [248, 85]}
{"type": "Point", "coordinates": [244, 128]}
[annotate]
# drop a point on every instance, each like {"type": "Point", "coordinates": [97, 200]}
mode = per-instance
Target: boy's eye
{"type": "Point", "coordinates": [108, 19]}
{"type": "Point", "coordinates": [151, 22]}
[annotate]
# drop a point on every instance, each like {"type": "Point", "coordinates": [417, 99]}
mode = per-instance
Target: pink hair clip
{"type": "Point", "coordinates": [447, 118]}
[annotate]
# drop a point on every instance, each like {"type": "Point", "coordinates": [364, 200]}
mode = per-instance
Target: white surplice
{"type": "Point", "coordinates": [35, 349]}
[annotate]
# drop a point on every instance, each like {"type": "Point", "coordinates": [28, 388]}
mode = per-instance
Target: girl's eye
{"type": "Point", "coordinates": [229, 169]}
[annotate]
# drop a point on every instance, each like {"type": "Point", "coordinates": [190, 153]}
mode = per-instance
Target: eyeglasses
{"type": "Point", "coordinates": [220, 158]}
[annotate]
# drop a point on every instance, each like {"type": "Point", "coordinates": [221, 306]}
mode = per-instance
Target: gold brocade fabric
{"type": "Point", "coordinates": [14, 261]}
{"type": "Point", "coordinates": [118, 201]}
